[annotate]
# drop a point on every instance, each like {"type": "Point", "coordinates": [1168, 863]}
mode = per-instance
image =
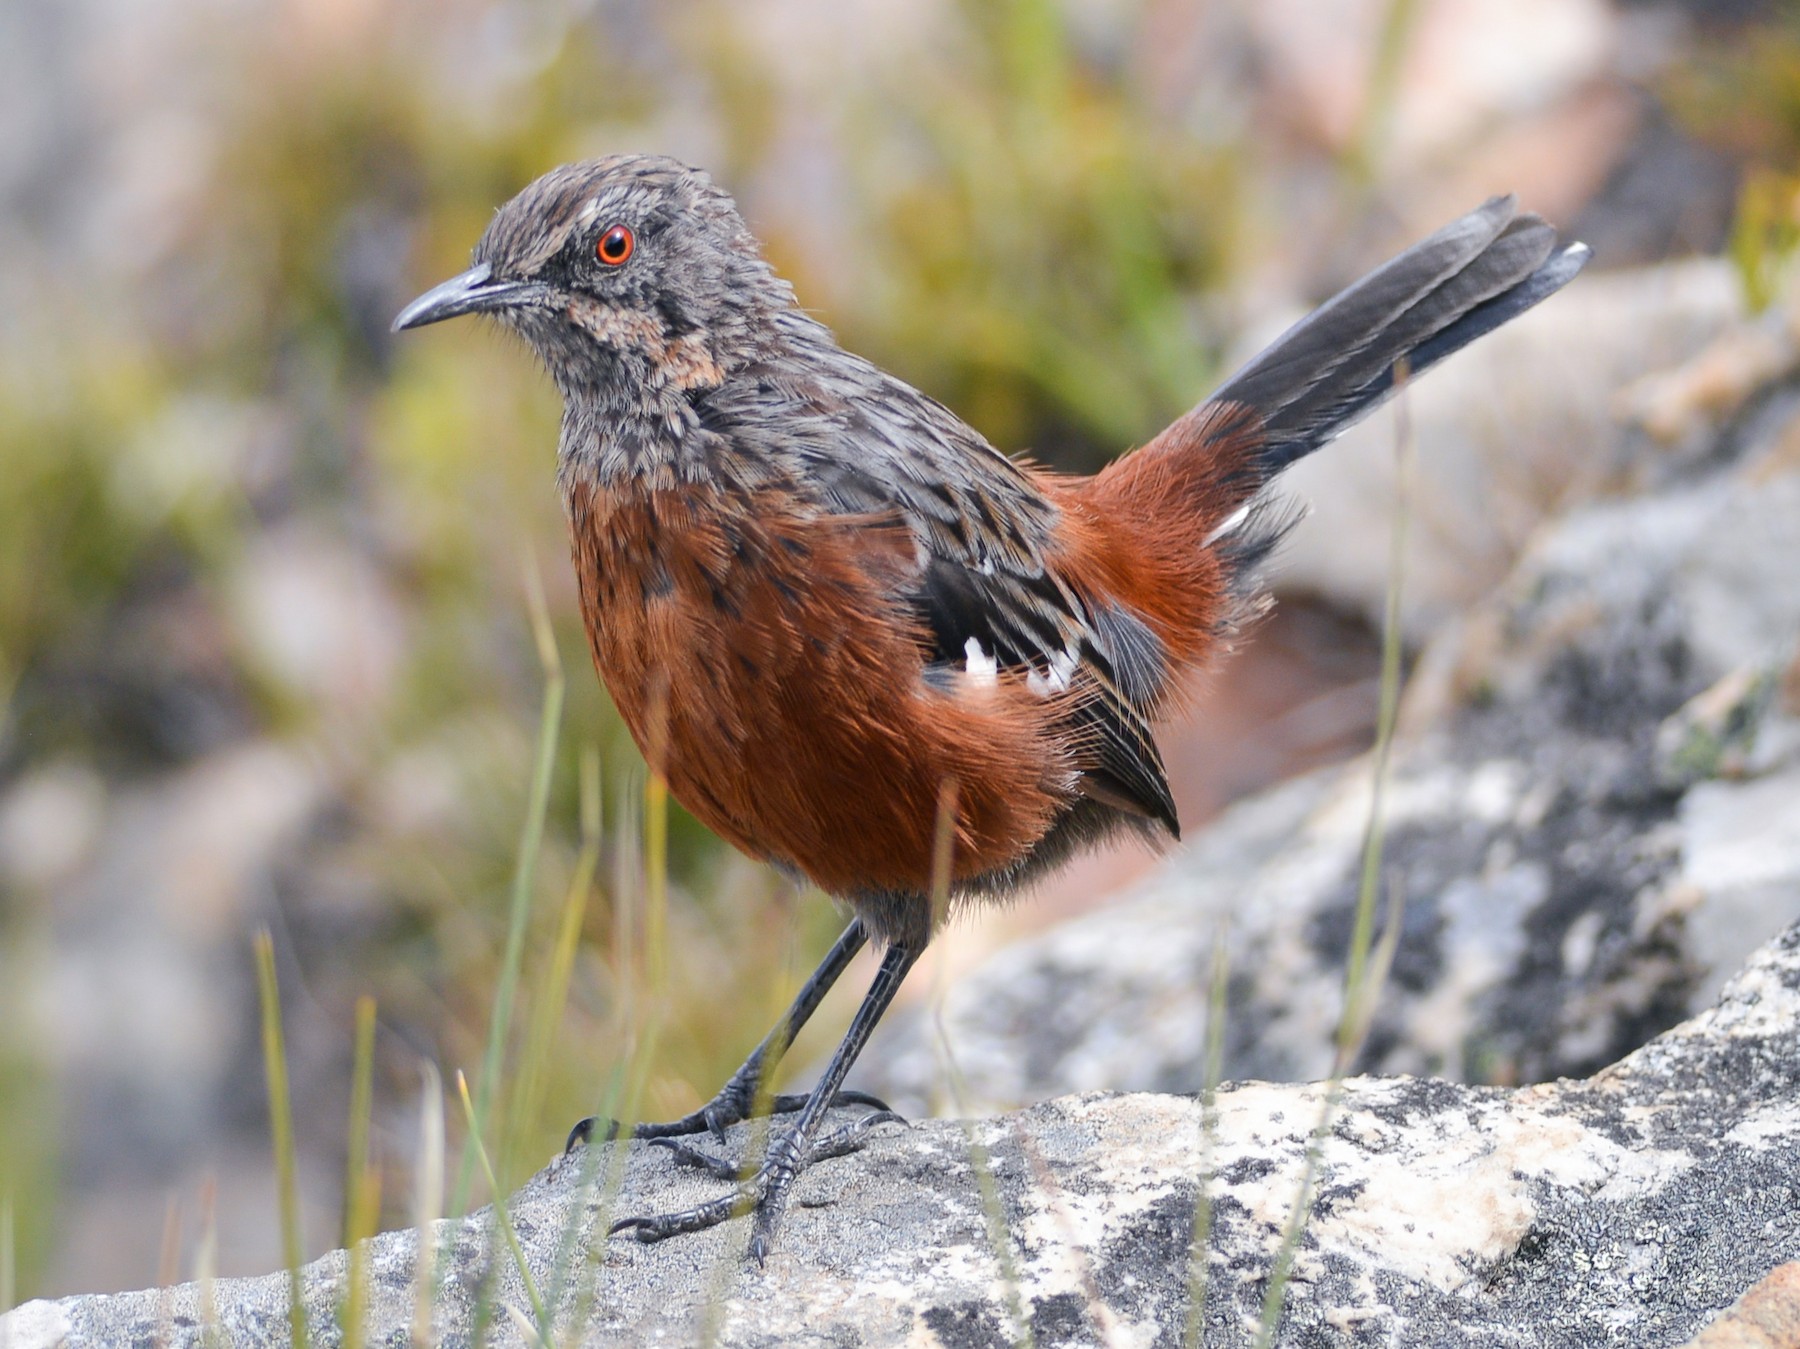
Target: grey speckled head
{"type": "Point", "coordinates": [678, 295]}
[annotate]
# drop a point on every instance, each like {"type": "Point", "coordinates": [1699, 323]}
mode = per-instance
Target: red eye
{"type": "Point", "coordinates": [615, 246]}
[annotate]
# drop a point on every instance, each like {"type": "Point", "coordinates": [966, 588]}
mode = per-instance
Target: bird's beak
{"type": "Point", "coordinates": [474, 292]}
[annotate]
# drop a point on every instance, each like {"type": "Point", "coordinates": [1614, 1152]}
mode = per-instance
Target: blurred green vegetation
{"type": "Point", "coordinates": [1742, 92]}
{"type": "Point", "coordinates": [29, 1164]}
{"type": "Point", "coordinates": [1037, 249]}
{"type": "Point", "coordinates": [1044, 265]}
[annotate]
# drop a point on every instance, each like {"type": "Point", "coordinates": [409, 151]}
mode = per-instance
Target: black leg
{"type": "Point", "coordinates": [738, 1096]}
{"type": "Point", "coordinates": [766, 1192]}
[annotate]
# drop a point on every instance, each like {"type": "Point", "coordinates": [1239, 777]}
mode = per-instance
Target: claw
{"type": "Point", "coordinates": [693, 1156]}
{"type": "Point", "coordinates": [661, 1226]}
{"type": "Point", "coordinates": [867, 1098]}
{"type": "Point", "coordinates": [842, 1142]}
{"type": "Point", "coordinates": [583, 1132]}
{"type": "Point", "coordinates": [717, 1122]}
{"type": "Point", "coordinates": [787, 1105]}
{"type": "Point", "coordinates": [731, 1106]}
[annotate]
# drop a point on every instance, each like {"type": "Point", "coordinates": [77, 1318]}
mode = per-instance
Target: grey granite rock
{"type": "Point", "coordinates": [1626, 1209]}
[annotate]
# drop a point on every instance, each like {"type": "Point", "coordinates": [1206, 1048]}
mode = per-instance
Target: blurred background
{"type": "Point", "coordinates": [266, 652]}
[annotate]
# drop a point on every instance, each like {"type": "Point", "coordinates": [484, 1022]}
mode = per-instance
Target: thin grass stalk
{"type": "Point", "coordinates": [1366, 965]}
{"type": "Point", "coordinates": [428, 1204]}
{"type": "Point", "coordinates": [362, 1183]}
{"type": "Point", "coordinates": [656, 849]}
{"type": "Point", "coordinates": [993, 1211]}
{"type": "Point", "coordinates": [627, 886]}
{"type": "Point", "coordinates": [548, 1004]}
{"type": "Point", "coordinates": [635, 1022]}
{"type": "Point", "coordinates": [621, 1098]}
{"type": "Point", "coordinates": [1105, 1320]}
{"type": "Point", "coordinates": [640, 927]}
{"type": "Point", "coordinates": [362, 1096]}
{"type": "Point", "coordinates": [1200, 1239]}
{"type": "Point", "coordinates": [1381, 96]}
{"type": "Point", "coordinates": [524, 871]}
{"type": "Point", "coordinates": [9, 1256]}
{"type": "Point", "coordinates": [547, 1013]}
{"type": "Point", "coordinates": [206, 1265]}
{"type": "Point", "coordinates": [575, 1242]}
{"type": "Point", "coordinates": [168, 1259]}
{"type": "Point", "coordinates": [1380, 961]}
{"type": "Point", "coordinates": [522, 1324]}
{"type": "Point", "coordinates": [500, 1214]}
{"type": "Point", "coordinates": [168, 1270]}
{"type": "Point", "coordinates": [760, 1126]}
{"type": "Point", "coordinates": [281, 1129]}
{"type": "Point", "coordinates": [711, 1325]}
{"type": "Point", "coordinates": [1352, 1027]}
{"type": "Point", "coordinates": [648, 961]}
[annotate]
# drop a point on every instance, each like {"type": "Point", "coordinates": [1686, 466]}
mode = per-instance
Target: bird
{"type": "Point", "coordinates": [858, 641]}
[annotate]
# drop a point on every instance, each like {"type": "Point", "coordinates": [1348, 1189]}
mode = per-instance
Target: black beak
{"type": "Point", "coordinates": [474, 292]}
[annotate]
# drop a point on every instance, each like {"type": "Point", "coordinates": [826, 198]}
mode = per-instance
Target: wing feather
{"type": "Point", "coordinates": [860, 443]}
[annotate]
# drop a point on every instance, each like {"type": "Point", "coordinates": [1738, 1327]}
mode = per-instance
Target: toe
{"type": "Point", "coordinates": [692, 1156]}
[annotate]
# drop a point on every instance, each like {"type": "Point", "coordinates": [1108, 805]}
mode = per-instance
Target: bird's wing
{"type": "Point", "coordinates": [983, 586]}
{"type": "Point", "coordinates": [985, 615]}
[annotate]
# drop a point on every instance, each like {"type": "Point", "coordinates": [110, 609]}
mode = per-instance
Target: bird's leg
{"type": "Point", "coordinates": [796, 1146]}
{"type": "Point", "coordinates": [738, 1096]}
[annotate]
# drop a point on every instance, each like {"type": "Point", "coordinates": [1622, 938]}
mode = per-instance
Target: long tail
{"type": "Point", "coordinates": [1337, 364]}
{"type": "Point", "coordinates": [1188, 521]}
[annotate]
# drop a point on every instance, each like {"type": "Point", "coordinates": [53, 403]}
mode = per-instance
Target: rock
{"type": "Point", "coordinates": [1625, 1209]}
{"type": "Point", "coordinates": [1591, 821]}
{"type": "Point", "coordinates": [1766, 1317]}
{"type": "Point", "coordinates": [36, 1325]}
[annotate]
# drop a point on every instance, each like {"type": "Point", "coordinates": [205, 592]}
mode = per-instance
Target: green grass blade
{"type": "Point", "coordinates": [9, 1257]}
{"type": "Point", "coordinates": [428, 1204]}
{"type": "Point", "coordinates": [524, 873]}
{"type": "Point", "coordinates": [362, 1182]}
{"type": "Point", "coordinates": [281, 1128]}
{"type": "Point", "coordinates": [522, 1324]}
{"type": "Point", "coordinates": [1200, 1240]}
{"type": "Point", "coordinates": [993, 1211]}
{"type": "Point", "coordinates": [576, 1244]}
{"type": "Point", "coordinates": [656, 884]}
{"type": "Point", "coordinates": [500, 1213]}
{"type": "Point", "coordinates": [551, 998]}
{"type": "Point", "coordinates": [646, 1003]}
{"type": "Point", "coordinates": [1381, 95]}
{"type": "Point", "coordinates": [362, 1093]}
{"type": "Point", "coordinates": [206, 1265]}
{"type": "Point", "coordinates": [1366, 964]}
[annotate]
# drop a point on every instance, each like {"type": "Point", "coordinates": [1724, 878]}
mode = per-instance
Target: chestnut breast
{"type": "Point", "coordinates": [774, 646]}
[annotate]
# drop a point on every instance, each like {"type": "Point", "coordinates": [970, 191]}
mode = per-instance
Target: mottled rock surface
{"type": "Point", "coordinates": [1627, 1209]}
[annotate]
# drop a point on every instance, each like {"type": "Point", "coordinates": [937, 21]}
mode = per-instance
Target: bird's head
{"type": "Point", "coordinates": [631, 270]}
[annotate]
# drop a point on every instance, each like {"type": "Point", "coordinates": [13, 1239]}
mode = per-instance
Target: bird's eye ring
{"type": "Point", "coordinates": [615, 246]}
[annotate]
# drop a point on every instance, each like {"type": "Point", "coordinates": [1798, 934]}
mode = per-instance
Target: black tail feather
{"type": "Point", "coordinates": [1337, 364]}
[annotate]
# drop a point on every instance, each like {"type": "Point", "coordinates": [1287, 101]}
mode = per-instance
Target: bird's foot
{"type": "Point", "coordinates": [764, 1191]}
{"type": "Point", "coordinates": [837, 1143]}
{"type": "Point", "coordinates": [735, 1103]}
